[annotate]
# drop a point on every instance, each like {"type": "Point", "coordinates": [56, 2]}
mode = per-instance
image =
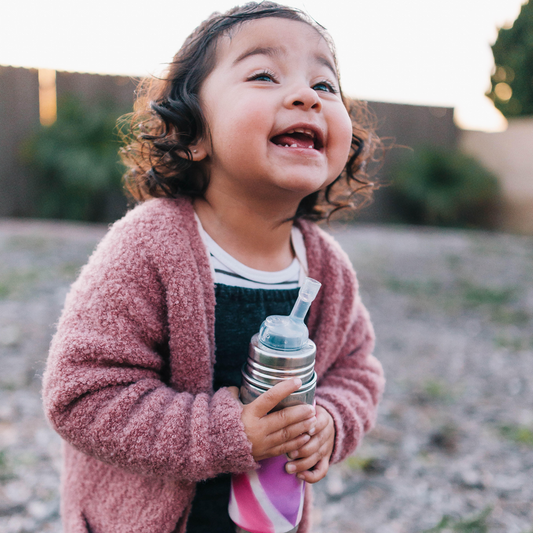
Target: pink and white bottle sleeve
{"type": "Point", "coordinates": [267, 500]}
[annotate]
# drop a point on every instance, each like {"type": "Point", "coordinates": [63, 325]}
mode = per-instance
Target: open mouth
{"type": "Point", "coordinates": [298, 138]}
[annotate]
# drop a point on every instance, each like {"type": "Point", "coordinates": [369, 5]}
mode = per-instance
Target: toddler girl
{"type": "Point", "coordinates": [245, 139]}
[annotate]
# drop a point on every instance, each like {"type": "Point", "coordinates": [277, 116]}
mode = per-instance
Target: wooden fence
{"type": "Point", "coordinates": [19, 117]}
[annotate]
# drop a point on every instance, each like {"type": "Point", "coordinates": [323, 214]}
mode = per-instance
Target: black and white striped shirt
{"type": "Point", "coordinates": [228, 271]}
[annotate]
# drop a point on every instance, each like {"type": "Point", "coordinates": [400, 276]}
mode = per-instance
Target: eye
{"type": "Point", "coordinates": [325, 86]}
{"type": "Point", "coordinates": [264, 75]}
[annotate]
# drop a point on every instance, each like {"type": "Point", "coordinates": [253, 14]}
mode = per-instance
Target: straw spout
{"type": "Point", "coordinates": [290, 332]}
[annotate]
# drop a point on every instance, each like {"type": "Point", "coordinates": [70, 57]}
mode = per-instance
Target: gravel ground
{"type": "Point", "coordinates": [453, 447]}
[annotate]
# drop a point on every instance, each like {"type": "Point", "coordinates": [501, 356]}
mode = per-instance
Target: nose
{"type": "Point", "coordinates": [304, 98]}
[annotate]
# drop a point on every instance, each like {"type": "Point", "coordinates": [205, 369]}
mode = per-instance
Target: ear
{"type": "Point", "coordinates": [198, 150]}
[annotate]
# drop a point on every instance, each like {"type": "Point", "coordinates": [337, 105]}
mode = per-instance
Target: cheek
{"type": "Point", "coordinates": [342, 137]}
{"type": "Point", "coordinates": [346, 132]}
{"type": "Point", "coordinates": [231, 122]}
{"type": "Point", "coordinates": [251, 120]}
{"type": "Point", "coordinates": [241, 130]}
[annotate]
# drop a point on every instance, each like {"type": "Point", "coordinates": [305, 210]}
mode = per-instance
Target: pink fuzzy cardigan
{"type": "Point", "coordinates": [128, 383]}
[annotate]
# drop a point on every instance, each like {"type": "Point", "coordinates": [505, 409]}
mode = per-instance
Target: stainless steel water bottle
{"type": "Point", "coordinates": [269, 500]}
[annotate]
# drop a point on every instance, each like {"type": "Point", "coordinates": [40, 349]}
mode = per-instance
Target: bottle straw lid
{"type": "Point", "coordinates": [290, 332]}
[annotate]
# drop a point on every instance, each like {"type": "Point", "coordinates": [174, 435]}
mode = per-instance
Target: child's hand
{"type": "Point", "coordinates": [280, 432]}
{"type": "Point", "coordinates": [312, 462]}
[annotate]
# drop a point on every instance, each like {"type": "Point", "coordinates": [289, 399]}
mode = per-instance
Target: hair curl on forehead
{"type": "Point", "coordinates": [168, 119]}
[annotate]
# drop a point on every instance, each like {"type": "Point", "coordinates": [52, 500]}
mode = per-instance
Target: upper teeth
{"type": "Point", "coordinates": [305, 131]}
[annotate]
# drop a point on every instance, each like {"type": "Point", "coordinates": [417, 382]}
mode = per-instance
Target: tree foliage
{"type": "Point", "coordinates": [512, 81]}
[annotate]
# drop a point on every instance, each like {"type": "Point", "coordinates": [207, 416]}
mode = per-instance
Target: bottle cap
{"type": "Point", "coordinates": [289, 333]}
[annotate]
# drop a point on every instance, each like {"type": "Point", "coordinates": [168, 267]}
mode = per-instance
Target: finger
{"type": "Point", "coordinates": [286, 447]}
{"type": "Point", "coordinates": [311, 447]}
{"type": "Point", "coordinates": [290, 421]}
{"type": "Point", "coordinates": [317, 429]}
{"type": "Point", "coordinates": [323, 419]}
{"type": "Point", "coordinates": [293, 467]}
{"type": "Point", "coordinates": [289, 433]}
{"type": "Point", "coordinates": [317, 473]}
{"type": "Point", "coordinates": [302, 417]}
{"type": "Point", "coordinates": [267, 401]}
{"type": "Point", "coordinates": [320, 438]}
{"type": "Point", "coordinates": [234, 391]}
{"type": "Point", "coordinates": [318, 442]}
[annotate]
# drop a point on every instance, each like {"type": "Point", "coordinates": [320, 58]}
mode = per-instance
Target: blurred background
{"type": "Point", "coordinates": [443, 255]}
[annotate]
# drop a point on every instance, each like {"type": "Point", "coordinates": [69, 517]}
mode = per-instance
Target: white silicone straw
{"type": "Point", "coordinates": [306, 296]}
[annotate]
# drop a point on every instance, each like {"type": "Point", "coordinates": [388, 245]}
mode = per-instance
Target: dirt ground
{"type": "Point", "coordinates": [453, 447]}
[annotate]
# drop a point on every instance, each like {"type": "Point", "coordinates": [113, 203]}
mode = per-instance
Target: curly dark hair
{"type": "Point", "coordinates": [168, 119]}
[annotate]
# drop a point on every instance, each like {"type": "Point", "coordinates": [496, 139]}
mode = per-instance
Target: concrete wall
{"type": "Point", "coordinates": [509, 155]}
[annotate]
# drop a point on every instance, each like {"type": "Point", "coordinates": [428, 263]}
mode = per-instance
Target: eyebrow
{"type": "Point", "coordinates": [273, 51]}
{"type": "Point", "coordinates": [327, 63]}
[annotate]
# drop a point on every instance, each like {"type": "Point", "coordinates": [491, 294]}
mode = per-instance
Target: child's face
{"type": "Point", "coordinates": [279, 129]}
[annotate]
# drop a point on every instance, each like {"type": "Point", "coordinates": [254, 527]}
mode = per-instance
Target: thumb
{"type": "Point", "coordinates": [268, 400]}
{"type": "Point", "coordinates": [234, 391]}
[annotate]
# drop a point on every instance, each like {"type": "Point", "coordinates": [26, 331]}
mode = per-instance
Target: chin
{"type": "Point", "coordinates": [306, 186]}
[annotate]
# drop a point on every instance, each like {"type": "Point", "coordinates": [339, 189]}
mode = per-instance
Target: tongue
{"type": "Point", "coordinates": [298, 139]}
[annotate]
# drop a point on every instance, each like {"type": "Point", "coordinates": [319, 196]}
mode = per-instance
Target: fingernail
{"type": "Point", "coordinates": [312, 431]}
{"type": "Point", "coordinates": [290, 468]}
{"type": "Point", "coordinates": [293, 454]}
{"type": "Point", "coordinates": [300, 476]}
{"type": "Point", "coordinates": [298, 381]}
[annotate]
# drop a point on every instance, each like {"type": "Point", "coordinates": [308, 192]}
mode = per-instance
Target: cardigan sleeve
{"type": "Point", "coordinates": [350, 378]}
{"type": "Point", "coordinates": [106, 387]}
{"type": "Point", "coordinates": [351, 387]}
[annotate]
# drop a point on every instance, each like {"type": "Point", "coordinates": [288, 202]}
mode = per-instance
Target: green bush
{"type": "Point", "coordinates": [76, 164]}
{"type": "Point", "coordinates": [444, 188]}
